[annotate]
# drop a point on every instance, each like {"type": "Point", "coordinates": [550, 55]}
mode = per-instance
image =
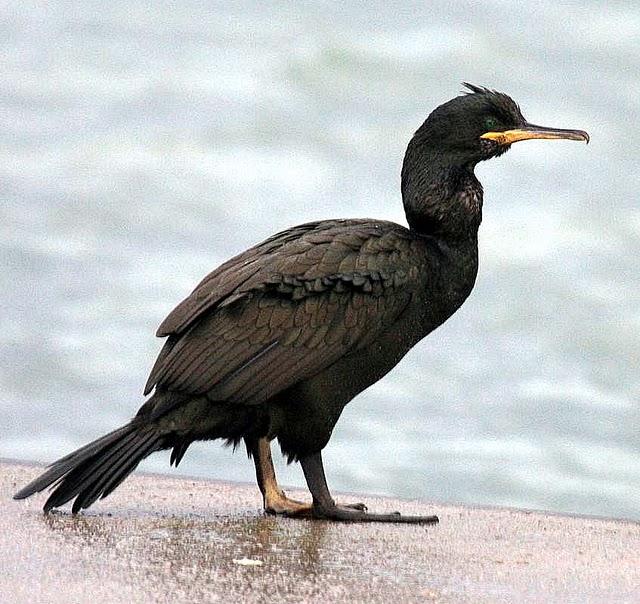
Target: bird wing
{"type": "Point", "coordinates": [286, 309]}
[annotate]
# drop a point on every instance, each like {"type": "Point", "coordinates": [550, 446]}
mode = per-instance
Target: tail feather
{"type": "Point", "coordinates": [85, 471]}
{"type": "Point", "coordinates": [67, 463]}
{"type": "Point", "coordinates": [150, 445]}
{"type": "Point", "coordinates": [93, 471]}
{"type": "Point", "coordinates": [106, 482]}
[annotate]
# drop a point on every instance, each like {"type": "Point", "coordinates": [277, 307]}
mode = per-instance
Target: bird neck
{"type": "Point", "coordinates": [442, 198]}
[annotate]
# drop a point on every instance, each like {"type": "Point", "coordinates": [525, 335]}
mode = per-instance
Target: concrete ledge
{"type": "Point", "coordinates": [162, 539]}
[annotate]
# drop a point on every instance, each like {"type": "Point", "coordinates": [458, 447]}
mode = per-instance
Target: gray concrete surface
{"type": "Point", "coordinates": [163, 539]}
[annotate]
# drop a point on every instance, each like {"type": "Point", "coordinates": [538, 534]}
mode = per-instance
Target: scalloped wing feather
{"type": "Point", "coordinates": [309, 297]}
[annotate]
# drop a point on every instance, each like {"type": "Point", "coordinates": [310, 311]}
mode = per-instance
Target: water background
{"type": "Point", "coordinates": [141, 144]}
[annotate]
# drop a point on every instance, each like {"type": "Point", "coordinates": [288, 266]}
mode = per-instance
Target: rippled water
{"type": "Point", "coordinates": [142, 145]}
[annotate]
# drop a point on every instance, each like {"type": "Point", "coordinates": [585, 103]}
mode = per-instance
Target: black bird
{"type": "Point", "coordinates": [276, 341]}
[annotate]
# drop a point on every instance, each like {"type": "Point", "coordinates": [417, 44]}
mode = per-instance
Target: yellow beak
{"type": "Point", "coordinates": [529, 131]}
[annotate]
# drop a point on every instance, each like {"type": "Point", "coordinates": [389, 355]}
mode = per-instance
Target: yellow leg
{"type": "Point", "coordinates": [274, 498]}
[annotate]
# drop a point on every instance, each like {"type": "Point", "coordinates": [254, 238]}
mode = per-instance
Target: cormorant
{"type": "Point", "coordinates": [276, 341]}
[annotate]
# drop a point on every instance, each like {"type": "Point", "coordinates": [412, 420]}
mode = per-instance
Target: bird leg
{"type": "Point", "coordinates": [274, 499]}
{"type": "Point", "coordinates": [324, 507]}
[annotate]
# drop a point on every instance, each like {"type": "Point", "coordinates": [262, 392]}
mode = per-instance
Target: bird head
{"type": "Point", "coordinates": [481, 124]}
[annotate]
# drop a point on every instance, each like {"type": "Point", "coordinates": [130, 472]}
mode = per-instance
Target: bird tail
{"type": "Point", "coordinates": [96, 469]}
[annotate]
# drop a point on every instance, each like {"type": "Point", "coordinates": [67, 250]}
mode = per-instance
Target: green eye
{"type": "Point", "coordinates": [490, 123]}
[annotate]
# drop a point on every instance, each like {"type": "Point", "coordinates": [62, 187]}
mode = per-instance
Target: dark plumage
{"type": "Point", "coordinates": [276, 341]}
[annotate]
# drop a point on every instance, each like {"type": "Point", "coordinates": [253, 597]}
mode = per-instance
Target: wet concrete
{"type": "Point", "coordinates": [163, 539]}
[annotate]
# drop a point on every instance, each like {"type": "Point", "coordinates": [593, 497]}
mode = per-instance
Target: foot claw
{"type": "Point", "coordinates": [283, 506]}
{"type": "Point", "coordinates": [351, 514]}
{"type": "Point", "coordinates": [361, 507]}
